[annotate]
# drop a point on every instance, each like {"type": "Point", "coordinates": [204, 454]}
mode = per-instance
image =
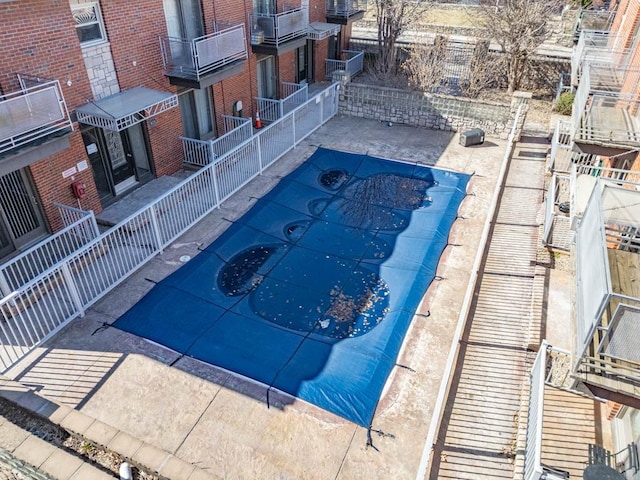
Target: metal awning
{"type": "Point", "coordinates": [320, 31]}
{"type": "Point", "coordinates": [122, 110]}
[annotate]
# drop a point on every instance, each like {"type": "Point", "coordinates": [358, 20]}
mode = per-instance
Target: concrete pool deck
{"type": "Point", "coordinates": [222, 424]}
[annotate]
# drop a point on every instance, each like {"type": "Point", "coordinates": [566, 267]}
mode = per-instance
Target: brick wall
{"type": "Point", "coordinates": [39, 38]}
{"type": "Point", "coordinates": [438, 112]}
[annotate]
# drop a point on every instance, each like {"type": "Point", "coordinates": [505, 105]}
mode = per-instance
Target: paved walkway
{"type": "Point", "coordinates": [477, 438]}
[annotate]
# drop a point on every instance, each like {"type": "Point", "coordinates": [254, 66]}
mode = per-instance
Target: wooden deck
{"type": "Point", "coordinates": [567, 430]}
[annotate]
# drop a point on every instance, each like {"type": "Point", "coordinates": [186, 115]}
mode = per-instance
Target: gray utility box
{"type": "Point", "coordinates": [475, 136]}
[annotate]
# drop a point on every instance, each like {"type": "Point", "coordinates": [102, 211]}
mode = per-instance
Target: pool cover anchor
{"type": "Point", "coordinates": [407, 367]}
{"type": "Point", "coordinates": [104, 326]}
{"type": "Point", "coordinates": [380, 433]}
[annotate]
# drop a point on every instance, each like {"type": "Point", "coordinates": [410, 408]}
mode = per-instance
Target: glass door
{"type": "Point", "coordinates": [304, 63]}
{"type": "Point", "coordinates": [267, 77]}
{"type": "Point", "coordinates": [121, 163]}
{"type": "Point", "coordinates": [119, 160]}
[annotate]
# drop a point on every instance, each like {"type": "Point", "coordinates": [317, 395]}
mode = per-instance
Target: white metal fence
{"type": "Point", "coordinates": [533, 450]}
{"type": "Point", "coordinates": [561, 143]}
{"type": "Point", "coordinates": [201, 152]}
{"type": "Point", "coordinates": [353, 63]}
{"type": "Point", "coordinates": [80, 228]}
{"type": "Point", "coordinates": [551, 367]}
{"type": "Point", "coordinates": [41, 306]}
{"type": "Point", "coordinates": [293, 95]}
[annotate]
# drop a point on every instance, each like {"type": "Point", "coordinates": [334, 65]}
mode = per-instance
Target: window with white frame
{"type": "Point", "coordinates": [89, 24]}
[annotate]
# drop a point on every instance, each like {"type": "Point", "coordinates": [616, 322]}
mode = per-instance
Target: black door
{"type": "Point", "coordinates": [95, 152]}
{"type": "Point", "coordinates": [120, 160]}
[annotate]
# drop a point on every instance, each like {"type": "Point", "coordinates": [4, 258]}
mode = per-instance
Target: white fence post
{"type": "Point", "coordinates": [73, 290]}
{"type": "Point", "coordinates": [259, 150]}
{"type": "Point", "coordinates": [156, 228]}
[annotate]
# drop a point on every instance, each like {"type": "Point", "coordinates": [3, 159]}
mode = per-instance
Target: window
{"type": "Point", "coordinates": [89, 23]}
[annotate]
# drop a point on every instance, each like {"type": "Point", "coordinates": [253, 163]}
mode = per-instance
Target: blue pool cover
{"type": "Point", "coordinates": [312, 291]}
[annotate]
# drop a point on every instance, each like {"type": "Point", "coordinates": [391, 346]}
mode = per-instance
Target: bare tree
{"type": "Point", "coordinates": [425, 67]}
{"type": "Point", "coordinates": [393, 18]}
{"type": "Point", "coordinates": [485, 71]}
{"type": "Point", "coordinates": [519, 27]}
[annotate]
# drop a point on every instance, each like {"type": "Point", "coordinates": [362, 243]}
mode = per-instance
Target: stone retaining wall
{"type": "Point", "coordinates": [437, 112]}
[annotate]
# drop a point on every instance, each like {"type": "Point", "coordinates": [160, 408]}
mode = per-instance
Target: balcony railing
{"type": "Point", "coordinates": [603, 111]}
{"type": "Point", "coordinates": [202, 152]}
{"type": "Point", "coordinates": [353, 63]}
{"type": "Point", "coordinates": [202, 56]}
{"type": "Point", "coordinates": [36, 111]}
{"type": "Point", "coordinates": [293, 95]}
{"type": "Point", "coordinates": [587, 19]}
{"type": "Point", "coordinates": [278, 28]}
{"type": "Point", "coordinates": [608, 302]}
{"type": "Point", "coordinates": [345, 8]}
{"type": "Point", "coordinates": [597, 47]}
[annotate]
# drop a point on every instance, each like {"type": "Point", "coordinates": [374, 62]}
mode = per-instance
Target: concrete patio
{"type": "Point", "coordinates": [225, 425]}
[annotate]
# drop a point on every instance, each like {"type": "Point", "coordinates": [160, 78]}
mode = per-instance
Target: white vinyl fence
{"type": "Point", "coordinates": [38, 308]}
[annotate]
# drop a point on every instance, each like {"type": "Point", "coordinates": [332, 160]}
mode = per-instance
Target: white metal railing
{"type": "Point", "coordinates": [561, 144]}
{"type": "Point", "coordinates": [353, 63]}
{"type": "Point", "coordinates": [595, 124]}
{"type": "Point", "coordinates": [533, 447]}
{"type": "Point", "coordinates": [549, 209]}
{"type": "Point", "coordinates": [294, 94]}
{"type": "Point", "coordinates": [202, 152]}
{"type": "Point", "coordinates": [552, 367]}
{"type": "Point", "coordinates": [40, 307]}
{"type": "Point", "coordinates": [201, 56]}
{"type": "Point", "coordinates": [596, 46]}
{"type": "Point", "coordinates": [588, 19]}
{"type": "Point", "coordinates": [345, 8]}
{"type": "Point", "coordinates": [80, 228]}
{"type": "Point", "coordinates": [278, 28]}
{"type": "Point", "coordinates": [34, 112]}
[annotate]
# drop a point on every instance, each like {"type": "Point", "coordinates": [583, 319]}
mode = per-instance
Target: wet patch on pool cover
{"type": "Point", "coordinates": [313, 289]}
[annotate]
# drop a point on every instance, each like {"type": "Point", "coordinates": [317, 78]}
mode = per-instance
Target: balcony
{"type": "Point", "coordinates": [32, 116]}
{"type": "Point", "coordinates": [607, 330]}
{"type": "Point", "coordinates": [345, 11]}
{"type": "Point", "coordinates": [278, 33]}
{"type": "Point", "coordinates": [206, 60]}
{"type": "Point", "coordinates": [606, 107]}
{"type": "Point", "coordinates": [561, 438]}
{"type": "Point", "coordinates": [589, 19]}
{"type": "Point", "coordinates": [600, 47]}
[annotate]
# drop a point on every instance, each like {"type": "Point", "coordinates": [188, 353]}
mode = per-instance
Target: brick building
{"type": "Point", "coordinates": [94, 96]}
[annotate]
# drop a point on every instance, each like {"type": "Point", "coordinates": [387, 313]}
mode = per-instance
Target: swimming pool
{"type": "Point", "coordinates": [312, 291]}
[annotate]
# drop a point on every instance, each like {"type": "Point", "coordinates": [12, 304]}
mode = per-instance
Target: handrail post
{"type": "Point", "coordinates": [259, 149]}
{"type": "Point", "coordinates": [73, 289]}
{"type": "Point", "coordinates": [4, 285]}
{"type": "Point", "coordinates": [155, 225]}
{"type": "Point", "coordinates": [216, 191]}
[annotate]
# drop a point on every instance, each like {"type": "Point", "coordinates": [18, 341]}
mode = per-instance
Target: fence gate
{"type": "Point", "coordinates": [21, 220]}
